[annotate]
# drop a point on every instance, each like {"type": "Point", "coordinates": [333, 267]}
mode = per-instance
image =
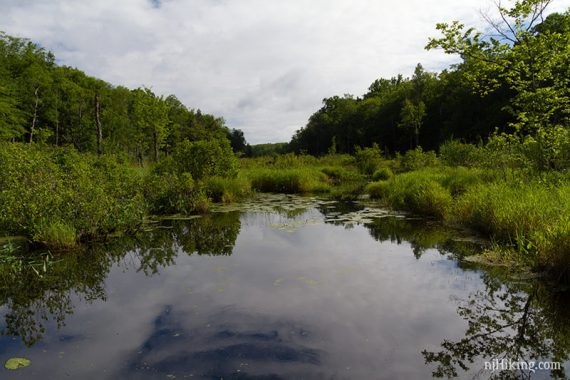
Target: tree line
{"type": "Point", "coordinates": [512, 79]}
{"type": "Point", "coordinates": [43, 102]}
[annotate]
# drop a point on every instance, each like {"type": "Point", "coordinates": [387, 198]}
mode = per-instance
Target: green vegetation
{"type": "Point", "coordinates": [525, 211]}
{"type": "Point", "coordinates": [300, 174]}
{"type": "Point", "coordinates": [485, 145]}
{"type": "Point", "coordinates": [15, 363]}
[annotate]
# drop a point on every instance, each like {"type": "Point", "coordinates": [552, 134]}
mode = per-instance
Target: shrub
{"type": "Point", "coordinates": [455, 153]}
{"type": "Point", "coordinates": [382, 174]}
{"type": "Point", "coordinates": [377, 190]}
{"type": "Point", "coordinates": [368, 159]}
{"type": "Point", "coordinates": [171, 193]}
{"type": "Point", "coordinates": [50, 191]}
{"type": "Point", "coordinates": [201, 159]}
{"type": "Point", "coordinates": [417, 159]}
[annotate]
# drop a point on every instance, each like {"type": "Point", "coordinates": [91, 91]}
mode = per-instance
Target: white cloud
{"type": "Point", "coordinates": [263, 65]}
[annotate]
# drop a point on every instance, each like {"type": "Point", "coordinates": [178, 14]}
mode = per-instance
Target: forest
{"type": "Point", "coordinates": [484, 144]}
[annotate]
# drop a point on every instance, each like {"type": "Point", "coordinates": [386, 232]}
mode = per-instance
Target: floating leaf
{"type": "Point", "coordinates": [16, 363]}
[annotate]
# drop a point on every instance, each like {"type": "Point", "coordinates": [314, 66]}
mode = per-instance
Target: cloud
{"type": "Point", "coordinates": [265, 66]}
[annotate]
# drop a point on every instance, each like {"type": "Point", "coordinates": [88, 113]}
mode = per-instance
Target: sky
{"type": "Point", "coordinates": [263, 65]}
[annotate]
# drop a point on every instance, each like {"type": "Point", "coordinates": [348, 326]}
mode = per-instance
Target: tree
{"type": "Point", "coordinates": [412, 117]}
{"type": "Point", "coordinates": [11, 118]}
{"type": "Point", "coordinates": [237, 141]}
{"type": "Point", "coordinates": [526, 53]}
{"type": "Point", "coordinates": [151, 115]}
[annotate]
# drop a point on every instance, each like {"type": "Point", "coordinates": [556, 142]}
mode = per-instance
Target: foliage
{"type": "Point", "coordinates": [382, 174]}
{"type": "Point", "coordinates": [260, 150]}
{"type": "Point", "coordinates": [49, 194]}
{"type": "Point", "coordinates": [416, 159]}
{"type": "Point", "coordinates": [527, 59]}
{"type": "Point", "coordinates": [368, 159]}
{"type": "Point", "coordinates": [57, 105]}
{"type": "Point", "coordinates": [201, 159]}
{"type": "Point", "coordinates": [171, 193]}
{"type": "Point", "coordinates": [456, 153]}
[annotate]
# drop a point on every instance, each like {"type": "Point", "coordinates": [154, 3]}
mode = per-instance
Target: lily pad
{"type": "Point", "coordinates": [16, 363]}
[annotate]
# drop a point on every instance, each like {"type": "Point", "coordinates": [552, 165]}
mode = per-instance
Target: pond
{"type": "Point", "coordinates": [281, 287]}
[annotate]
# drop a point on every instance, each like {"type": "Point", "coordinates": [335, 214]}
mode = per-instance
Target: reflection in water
{"type": "Point", "coordinates": [347, 293]}
{"type": "Point", "coordinates": [32, 298]}
{"type": "Point", "coordinates": [421, 234]}
{"type": "Point", "coordinates": [506, 322]}
{"type": "Point", "coordinates": [232, 344]}
{"type": "Point", "coordinates": [35, 297]}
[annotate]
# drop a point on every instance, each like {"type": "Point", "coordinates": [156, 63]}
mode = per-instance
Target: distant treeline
{"type": "Point", "coordinates": [513, 79]}
{"type": "Point", "coordinates": [41, 101]}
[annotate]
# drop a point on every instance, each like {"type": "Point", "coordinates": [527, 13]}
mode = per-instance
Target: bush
{"type": "Point", "coordinates": [455, 153]}
{"type": "Point", "coordinates": [171, 193]}
{"type": "Point", "coordinates": [201, 159]}
{"type": "Point", "coordinates": [368, 159]}
{"type": "Point", "coordinates": [382, 174]}
{"type": "Point", "coordinates": [50, 192]}
{"type": "Point", "coordinates": [377, 190]}
{"type": "Point", "coordinates": [417, 159]}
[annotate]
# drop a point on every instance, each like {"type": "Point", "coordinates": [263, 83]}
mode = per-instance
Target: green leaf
{"type": "Point", "coordinates": [17, 363]}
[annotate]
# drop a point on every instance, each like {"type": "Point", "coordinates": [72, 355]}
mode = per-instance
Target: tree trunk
{"type": "Point", "coordinates": [98, 124]}
{"type": "Point", "coordinates": [35, 118]}
{"type": "Point", "coordinates": [155, 143]}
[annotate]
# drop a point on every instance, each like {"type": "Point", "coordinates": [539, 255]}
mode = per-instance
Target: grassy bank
{"type": "Point", "coordinates": [525, 212]}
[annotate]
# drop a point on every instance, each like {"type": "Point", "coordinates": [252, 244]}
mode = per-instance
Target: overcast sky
{"type": "Point", "coordinates": [264, 65]}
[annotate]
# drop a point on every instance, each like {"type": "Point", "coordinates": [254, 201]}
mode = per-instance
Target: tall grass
{"type": "Point", "coordinates": [331, 174]}
{"type": "Point", "coordinates": [529, 215]}
{"type": "Point", "coordinates": [227, 190]}
{"type": "Point", "coordinates": [297, 180]}
{"type": "Point", "coordinates": [533, 218]}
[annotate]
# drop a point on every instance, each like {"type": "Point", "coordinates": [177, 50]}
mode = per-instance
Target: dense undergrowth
{"type": "Point", "coordinates": [59, 197]}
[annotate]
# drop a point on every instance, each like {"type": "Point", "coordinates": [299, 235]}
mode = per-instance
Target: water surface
{"type": "Point", "coordinates": [291, 288]}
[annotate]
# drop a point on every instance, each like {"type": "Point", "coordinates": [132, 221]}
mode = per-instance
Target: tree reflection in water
{"type": "Point", "coordinates": [35, 297]}
{"type": "Point", "coordinates": [519, 323]}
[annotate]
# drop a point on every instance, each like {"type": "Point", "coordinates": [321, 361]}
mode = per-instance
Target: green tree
{"type": "Point", "coordinates": [528, 57]}
{"type": "Point", "coordinates": [412, 117]}
{"type": "Point", "coordinates": [151, 115]}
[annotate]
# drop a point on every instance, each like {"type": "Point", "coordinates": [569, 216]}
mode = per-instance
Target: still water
{"type": "Point", "coordinates": [280, 288]}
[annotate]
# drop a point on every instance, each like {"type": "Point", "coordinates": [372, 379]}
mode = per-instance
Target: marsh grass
{"type": "Point", "coordinates": [302, 174]}
{"type": "Point", "coordinates": [289, 181]}
{"type": "Point", "coordinates": [532, 218]}
{"type": "Point", "coordinates": [56, 235]}
{"type": "Point", "coordinates": [529, 218]}
{"type": "Point", "coordinates": [227, 190]}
